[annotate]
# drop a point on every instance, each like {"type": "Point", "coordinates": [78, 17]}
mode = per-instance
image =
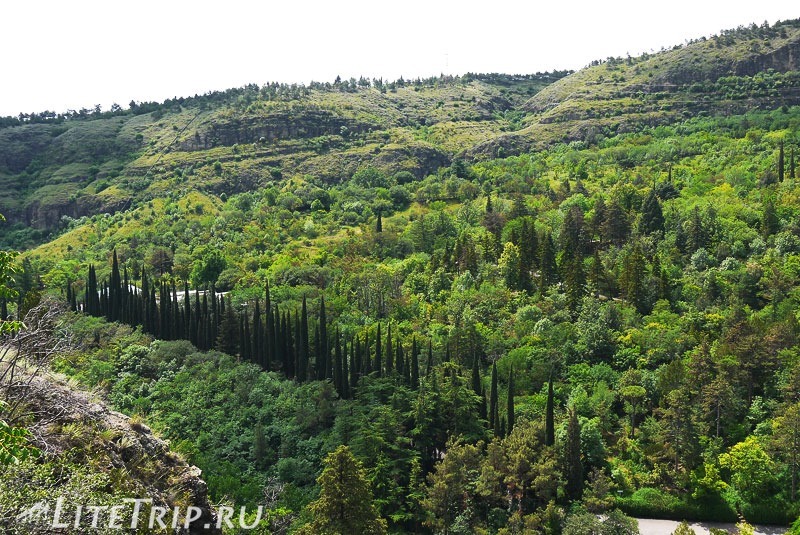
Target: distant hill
{"type": "Point", "coordinates": [91, 162]}
{"type": "Point", "coordinates": [745, 69]}
{"type": "Point", "coordinates": [227, 142]}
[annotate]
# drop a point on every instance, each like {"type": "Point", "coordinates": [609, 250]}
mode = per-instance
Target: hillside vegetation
{"type": "Point", "coordinates": [516, 301]}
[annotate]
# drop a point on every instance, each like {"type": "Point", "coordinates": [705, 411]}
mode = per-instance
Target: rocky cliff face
{"type": "Point", "coordinates": [305, 124]}
{"type": "Point", "coordinates": [129, 447]}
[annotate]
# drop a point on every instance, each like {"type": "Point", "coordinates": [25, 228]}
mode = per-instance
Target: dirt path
{"type": "Point", "coordinates": [649, 526]}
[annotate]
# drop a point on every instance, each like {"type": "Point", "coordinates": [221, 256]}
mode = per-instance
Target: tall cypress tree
{"type": "Point", "coordinates": [270, 345]}
{"type": "Point", "coordinates": [115, 289]}
{"type": "Point", "coordinates": [389, 350]}
{"type": "Point", "coordinates": [258, 350]}
{"type": "Point", "coordinates": [572, 456]}
{"type": "Point", "coordinates": [399, 358]}
{"type": "Point", "coordinates": [323, 352]}
{"type": "Point", "coordinates": [493, 416]}
{"type": "Point", "coordinates": [302, 371]}
{"type": "Point", "coordinates": [300, 366]}
{"type": "Point", "coordinates": [510, 401]}
{"type": "Point", "coordinates": [228, 335]}
{"type": "Point", "coordinates": [781, 166]}
{"type": "Point", "coordinates": [549, 418]}
{"type": "Point", "coordinates": [355, 362]}
{"type": "Point", "coordinates": [247, 341]}
{"type": "Point", "coordinates": [476, 375]}
{"type": "Point", "coordinates": [367, 363]}
{"type": "Point", "coordinates": [429, 363]}
{"type": "Point", "coordinates": [377, 367]}
{"type": "Point", "coordinates": [338, 377]}
{"type": "Point", "coordinates": [791, 164]}
{"type": "Point", "coordinates": [414, 363]}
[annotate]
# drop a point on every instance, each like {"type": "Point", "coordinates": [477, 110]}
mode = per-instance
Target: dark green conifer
{"type": "Point", "coordinates": [572, 455]}
{"type": "Point", "coordinates": [378, 365]}
{"type": "Point", "coordinates": [510, 400]}
{"type": "Point", "coordinates": [414, 363]}
{"type": "Point", "coordinates": [493, 415]}
{"type": "Point", "coordinates": [550, 424]}
{"type": "Point", "coordinates": [652, 219]}
{"type": "Point", "coordinates": [302, 371]}
{"type": "Point", "coordinates": [323, 350]}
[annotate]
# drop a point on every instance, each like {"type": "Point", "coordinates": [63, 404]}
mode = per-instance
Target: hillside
{"type": "Point", "coordinates": [733, 73]}
{"type": "Point", "coordinates": [103, 162]}
{"type": "Point", "coordinates": [83, 453]}
{"type": "Point", "coordinates": [485, 304]}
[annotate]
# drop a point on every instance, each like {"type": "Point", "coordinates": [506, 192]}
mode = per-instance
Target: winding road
{"type": "Point", "coordinates": [650, 526]}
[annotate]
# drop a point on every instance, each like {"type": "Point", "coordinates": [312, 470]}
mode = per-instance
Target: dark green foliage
{"type": "Point", "coordinates": [494, 420]}
{"type": "Point", "coordinates": [550, 425]}
{"type": "Point", "coordinates": [572, 458]}
{"type": "Point", "coordinates": [510, 402]}
{"type": "Point", "coordinates": [652, 219]}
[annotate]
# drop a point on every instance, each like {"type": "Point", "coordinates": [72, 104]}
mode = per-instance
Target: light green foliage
{"type": "Point", "coordinates": [14, 445]}
{"type": "Point", "coordinates": [752, 469]}
{"type": "Point", "coordinates": [345, 502]}
{"type": "Point", "coordinates": [684, 529]}
{"type": "Point", "coordinates": [649, 266]}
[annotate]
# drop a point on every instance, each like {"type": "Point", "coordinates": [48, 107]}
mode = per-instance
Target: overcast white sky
{"type": "Point", "coordinates": [60, 55]}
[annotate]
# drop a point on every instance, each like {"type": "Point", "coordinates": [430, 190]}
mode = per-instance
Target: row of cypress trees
{"type": "Point", "coordinates": [273, 338]}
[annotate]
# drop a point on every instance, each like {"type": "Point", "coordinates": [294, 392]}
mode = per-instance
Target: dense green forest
{"type": "Point", "coordinates": [468, 305]}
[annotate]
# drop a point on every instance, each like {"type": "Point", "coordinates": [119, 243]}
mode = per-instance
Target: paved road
{"type": "Point", "coordinates": [649, 526]}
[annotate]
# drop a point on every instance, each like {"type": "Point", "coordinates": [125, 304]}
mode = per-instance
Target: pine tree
{"type": "Point", "coordinates": [652, 217]}
{"type": "Point", "coordinates": [599, 217]}
{"type": "Point", "coordinates": [493, 418]}
{"type": "Point", "coordinates": [632, 278]}
{"type": "Point", "coordinates": [547, 262]}
{"type": "Point", "coordinates": [769, 219]}
{"type": "Point", "coordinates": [572, 456]}
{"type": "Point", "coordinates": [615, 228]}
{"type": "Point", "coordinates": [572, 238]}
{"type": "Point", "coordinates": [345, 503]}
{"type": "Point", "coordinates": [697, 233]}
{"type": "Point", "coordinates": [510, 401]}
{"type": "Point", "coordinates": [549, 418]}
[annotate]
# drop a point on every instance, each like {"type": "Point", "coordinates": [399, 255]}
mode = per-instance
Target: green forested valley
{"type": "Point", "coordinates": [477, 304]}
